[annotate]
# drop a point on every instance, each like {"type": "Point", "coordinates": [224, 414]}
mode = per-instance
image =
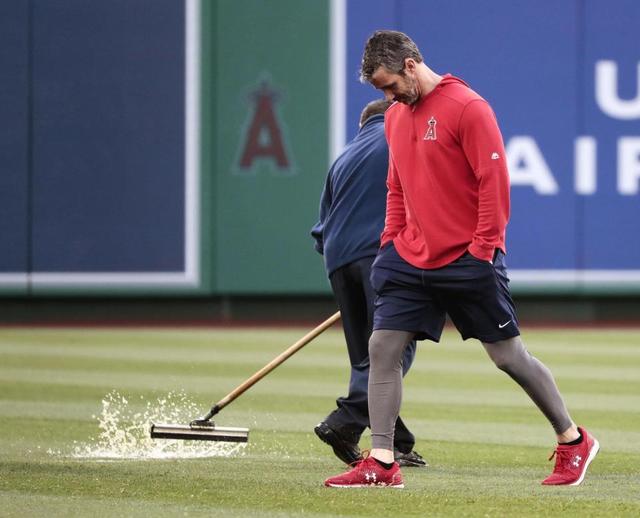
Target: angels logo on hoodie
{"type": "Point", "coordinates": [431, 131]}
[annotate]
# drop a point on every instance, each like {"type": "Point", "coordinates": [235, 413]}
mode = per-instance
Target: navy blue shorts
{"type": "Point", "coordinates": [474, 293]}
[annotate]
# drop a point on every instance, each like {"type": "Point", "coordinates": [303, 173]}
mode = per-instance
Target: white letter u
{"type": "Point", "coordinates": [607, 92]}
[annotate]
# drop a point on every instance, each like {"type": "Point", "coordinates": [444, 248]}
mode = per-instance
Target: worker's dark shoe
{"type": "Point", "coordinates": [412, 459]}
{"type": "Point", "coordinates": [345, 448]}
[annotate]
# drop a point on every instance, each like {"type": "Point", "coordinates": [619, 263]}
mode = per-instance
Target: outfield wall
{"type": "Point", "coordinates": [179, 148]}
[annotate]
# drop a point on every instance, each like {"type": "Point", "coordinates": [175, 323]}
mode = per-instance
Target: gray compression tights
{"type": "Point", "coordinates": [385, 382]}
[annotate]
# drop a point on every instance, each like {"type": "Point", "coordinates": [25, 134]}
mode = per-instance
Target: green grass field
{"type": "Point", "coordinates": [486, 444]}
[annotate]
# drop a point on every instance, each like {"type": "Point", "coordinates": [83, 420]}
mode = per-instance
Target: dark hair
{"type": "Point", "coordinates": [374, 108]}
{"type": "Point", "coordinates": [387, 49]}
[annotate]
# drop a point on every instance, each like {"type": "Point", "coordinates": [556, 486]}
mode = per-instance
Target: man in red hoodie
{"type": "Point", "coordinates": [442, 252]}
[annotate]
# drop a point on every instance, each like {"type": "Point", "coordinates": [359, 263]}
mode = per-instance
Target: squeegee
{"type": "Point", "coordinates": [204, 429]}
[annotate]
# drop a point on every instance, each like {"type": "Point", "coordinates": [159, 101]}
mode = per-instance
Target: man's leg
{"type": "Point", "coordinates": [404, 440]}
{"type": "Point", "coordinates": [535, 378]}
{"type": "Point", "coordinates": [342, 427]}
{"type": "Point", "coordinates": [386, 349]}
{"type": "Point", "coordinates": [576, 446]}
{"type": "Point", "coordinates": [476, 295]}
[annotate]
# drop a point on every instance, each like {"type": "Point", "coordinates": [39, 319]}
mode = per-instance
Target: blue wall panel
{"type": "Point", "coordinates": [13, 137]}
{"type": "Point", "coordinates": [611, 218]}
{"type": "Point", "coordinates": [108, 136]}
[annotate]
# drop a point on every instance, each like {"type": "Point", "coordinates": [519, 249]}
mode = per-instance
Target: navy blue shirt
{"type": "Point", "coordinates": [352, 206]}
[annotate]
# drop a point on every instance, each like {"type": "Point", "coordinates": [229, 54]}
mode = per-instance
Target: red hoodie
{"type": "Point", "coordinates": [448, 184]}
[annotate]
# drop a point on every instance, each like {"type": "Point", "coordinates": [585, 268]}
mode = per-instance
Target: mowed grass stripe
{"type": "Point", "coordinates": [457, 428]}
{"type": "Point", "coordinates": [215, 352]}
{"type": "Point", "coordinates": [150, 340]}
{"type": "Point", "coordinates": [304, 451]}
{"type": "Point", "coordinates": [498, 390]}
{"type": "Point", "coordinates": [329, 349]}
{"type": "Point", "coordinates": [429, 405]}
{"type": "Point", "coordinates": [319, 406]}
{"type": "Point", "coordinates": [610, 347]}
{"type": "Point", "coordinates": [238, 484]}
{"type": "Point", "coordinates": [574, 337]}
{"type": "Point", "coordinates": [21, 504]}
{"type": "Point", "coordinates": [243, 362]}
{"type": "Point", "coordinates": [186, 353]}
{"type": "Point", "coordinates": [581, 337]}
{"type": "Point", "coordinates": [428, 360]}
{"type": "Point", "coordinates": [595, 370]}
{"type": "Point", "coordinates": [585, 354]}
{"type": "Point", "coordinates": [193, 377]}
{"type": "Point", "coordinates": [274, 405]}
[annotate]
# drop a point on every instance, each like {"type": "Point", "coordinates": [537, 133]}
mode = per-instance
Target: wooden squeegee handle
{"type": "Point", "coordinates": [274, 363]}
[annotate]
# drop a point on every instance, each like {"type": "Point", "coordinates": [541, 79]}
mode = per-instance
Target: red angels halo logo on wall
{"type": "Point", "coordinates": [431, 131]}
{"type": "Point", "coordinates": [263, 137]}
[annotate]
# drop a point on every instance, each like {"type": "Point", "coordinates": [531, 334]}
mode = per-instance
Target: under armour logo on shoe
{"type": "Point", "coordinates": [576, 461]}
{"type": "Point", "coordinates": [371, 477]}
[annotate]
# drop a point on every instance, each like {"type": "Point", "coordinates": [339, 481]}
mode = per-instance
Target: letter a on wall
{"type": "Point", "coordinates": [264, 138]}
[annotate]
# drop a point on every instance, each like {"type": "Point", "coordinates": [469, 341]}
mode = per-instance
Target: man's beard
{"type": "Point", "coordinates": [412, 96]}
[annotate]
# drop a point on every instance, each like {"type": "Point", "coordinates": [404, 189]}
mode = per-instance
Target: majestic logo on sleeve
{"type": "Point", "coordinates": [431, 130]}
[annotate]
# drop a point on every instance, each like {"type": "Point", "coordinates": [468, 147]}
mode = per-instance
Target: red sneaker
{"type": "Point", "coordinates": [368, 473]}
{"type": "Point", "coordinates": [572, 461]}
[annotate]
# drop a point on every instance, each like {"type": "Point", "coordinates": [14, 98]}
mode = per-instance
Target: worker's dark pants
{"type": "Point", "coordinates": [355, 298]}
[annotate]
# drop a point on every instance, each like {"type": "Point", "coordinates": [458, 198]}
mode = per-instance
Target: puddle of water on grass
{"type": "Point", "coordinates": [124, 432]}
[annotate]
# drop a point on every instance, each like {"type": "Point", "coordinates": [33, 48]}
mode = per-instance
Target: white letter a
{"type": "Point", "coordinates": [528, 167]}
